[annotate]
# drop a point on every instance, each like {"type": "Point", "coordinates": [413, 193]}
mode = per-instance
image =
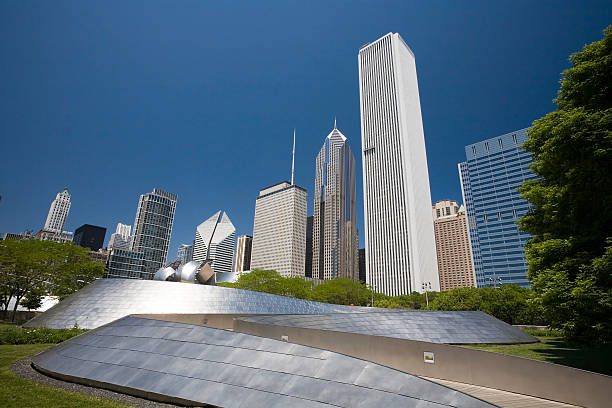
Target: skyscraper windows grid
{"type": "Point", "coordinates": [489, 182]}
{"type": "Point", "coordinates": [399, 237]}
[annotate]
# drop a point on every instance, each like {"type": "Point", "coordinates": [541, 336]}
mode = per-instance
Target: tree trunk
{"type": "Point", "coordinates": [15, 308]}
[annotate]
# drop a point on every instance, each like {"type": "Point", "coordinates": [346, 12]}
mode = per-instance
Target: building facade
{"type": "Point", "coordinates": [334, 226]}
{"type": "Point", "coordinates": [243, 253]}
{"type": "Point", "coordinates": [152, 229]}
{"type": "Point", "coordinates": [184, 253]}
{"type": "Point", "coordinates": [399, 237]}
{"type": "Point", "coordinates": [455, 264]}
{"type": "Point", "coordinates": [279, 230]}
{"type": "Point", "coordinates": [214, 242]}
{"type": "Point", "coordinates": [126, 264]}
{"type": "Point", "coordinates": [59, 237]}
{"type": "Point", "coordinates": [121, 237]}
{"type": "Point", "coordinates": [493, 171]}
{"type": "Point", "coordinates": [58, 212]}
{"type": "Point", "coordinates": [308, 270]}
{"type": "Point", "coordinates": [90, 236]}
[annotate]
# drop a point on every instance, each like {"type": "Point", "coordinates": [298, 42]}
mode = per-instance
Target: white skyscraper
{"type": "Point", "coordinates": [279, 230]}
{"type": "Point", "coordinates": [121, 237]}
{"type": "Point", "coordinates": [214, 242]}
{"type": "Point", "coordinates": [334, 231]}
{"type": "Point", "coordinates": [399, 236]}
{"type": "Point", "coordinates": [58, 212]}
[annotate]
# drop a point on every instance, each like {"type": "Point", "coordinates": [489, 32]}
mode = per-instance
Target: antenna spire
{"type": "Point", "coordinates": [335, 123]}
{"type": "Point", "coordinates": [293, 158]}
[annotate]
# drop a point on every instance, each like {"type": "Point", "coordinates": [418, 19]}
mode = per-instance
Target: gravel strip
{"type": "Point", "coordinates": [23, 368]}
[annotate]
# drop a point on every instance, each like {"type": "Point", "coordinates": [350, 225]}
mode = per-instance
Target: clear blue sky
{"type": "Point", "coordinates": [200, 98]}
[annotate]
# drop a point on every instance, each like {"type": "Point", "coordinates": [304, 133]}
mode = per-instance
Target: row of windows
{"type": "Point", "coordinates": [499, 141]}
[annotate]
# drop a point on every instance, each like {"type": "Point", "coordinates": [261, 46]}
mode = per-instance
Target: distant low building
{"type": "Point", "coordinates": [90, 236]}
{"type": "Point", "coordinates": [60, 237]}
{"type": "Point", "coordinates": [100, 256]}
{"type": "Point", "coordinates": [24, 235]}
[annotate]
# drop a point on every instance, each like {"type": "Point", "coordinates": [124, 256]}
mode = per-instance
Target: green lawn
{"type": "Point", "coordinates": [17, 392]}
{"type": "Point", "coordinates": [556, 350]}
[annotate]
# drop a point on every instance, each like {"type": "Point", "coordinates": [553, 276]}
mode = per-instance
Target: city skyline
{"type": "Point", "coordinates": [527, 88]}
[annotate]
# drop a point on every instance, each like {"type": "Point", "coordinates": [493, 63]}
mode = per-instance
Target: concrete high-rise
{"type": "Point", "coordinates": [214, 242]}
{"type": "Point", "coordinates": [455, 264]}
{"type": "Point", "coordinates": [121, 237]}
{"type": "Point", "coordinates": [399, 236]}
{"type": "Point", "coordinates": [58, 212]}
{"type": "Point", "coordinates": [152, 229]}
{"type": "Point", "coordinates": [334, 227]}
{"type": "Point", "coordinates": [279, 229]}
{"type": "Point", "coordinates": [243, 253]}
{"type": "Point", "coordinates": [493, 171]}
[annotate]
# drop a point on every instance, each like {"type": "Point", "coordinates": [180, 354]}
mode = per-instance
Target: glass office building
{"type": "Point", "coordinates": [490, 177]}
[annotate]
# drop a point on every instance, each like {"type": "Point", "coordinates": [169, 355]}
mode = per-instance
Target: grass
{"type": "Point", "coordinates": [555, 350]}
{"type": "Point", "coordinates": [17, 392]}
{"type": "Point", "coordinates": [12, 334]}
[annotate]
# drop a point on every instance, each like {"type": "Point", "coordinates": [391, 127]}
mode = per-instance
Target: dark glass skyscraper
{"type": "Point", "coordinates": [89, 236]}
{"type": "Point", "coordinates": [495, 168]}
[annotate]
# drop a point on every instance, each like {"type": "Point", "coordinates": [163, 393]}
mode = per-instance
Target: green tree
{"type": "Point", "coordinates": [342, 291]}
{"type": "Point", "coordinates": [571, 214]}
{"type": "Point", "coordinates": [32, 300]}
{"type": "Point", "coordinates": [43, 267]}
{"type": "Point", "coordinates": [259, 280]}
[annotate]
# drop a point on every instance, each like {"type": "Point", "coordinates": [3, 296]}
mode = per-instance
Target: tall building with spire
{"type": "Point", "coordinates": [58, 212]}
{"type": "Point", "coordinates": [152, 229]}
{"type": "Point", "coordinates": [399, 237]}
{"type": "Point", "coordinates": [214, 242]}
{"type": "Point", "coordinates": [334, 225]}
{"type": "Point", "coordinates": [279, 227]}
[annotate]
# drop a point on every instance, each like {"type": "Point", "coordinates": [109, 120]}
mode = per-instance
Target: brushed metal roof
{"type": "Point", "coordinates": [106, 300]}
{"type": "Point", "coordinates": [453, 327]}
{"type": "Point", "coordinates": [201, 365]}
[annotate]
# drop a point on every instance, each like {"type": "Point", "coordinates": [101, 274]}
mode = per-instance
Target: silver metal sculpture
{"type": "Point", "coordinates": [165, 274]}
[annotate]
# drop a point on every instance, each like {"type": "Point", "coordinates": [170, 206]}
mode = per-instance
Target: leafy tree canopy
{"type": "Point", "coordinates": [571, 215]}
{"type": "Point", "coordinates": [35, 268]}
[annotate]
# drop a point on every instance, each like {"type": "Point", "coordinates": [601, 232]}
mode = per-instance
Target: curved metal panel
{"type": "Point", "coordinates": [200, 365]}
{"type": "Point", "coordinates": [106, 300]}
{"type": "Point", "coordinates": [454, 327]}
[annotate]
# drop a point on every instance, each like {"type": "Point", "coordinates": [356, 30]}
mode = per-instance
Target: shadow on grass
{"type": "Point", "coordinates": [596, 358]}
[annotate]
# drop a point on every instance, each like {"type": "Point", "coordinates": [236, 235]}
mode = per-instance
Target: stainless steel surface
{"type": "Point", "coordinates": [456, 327]}
{"type": "Point", "coordinates": [163, 274]}
{"type": "Point", "coordinates": [106, 300]}
{"type": "Point", "coordinates": [187, 272]}
{"type": "Point", "coordinates": [229, 369]}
